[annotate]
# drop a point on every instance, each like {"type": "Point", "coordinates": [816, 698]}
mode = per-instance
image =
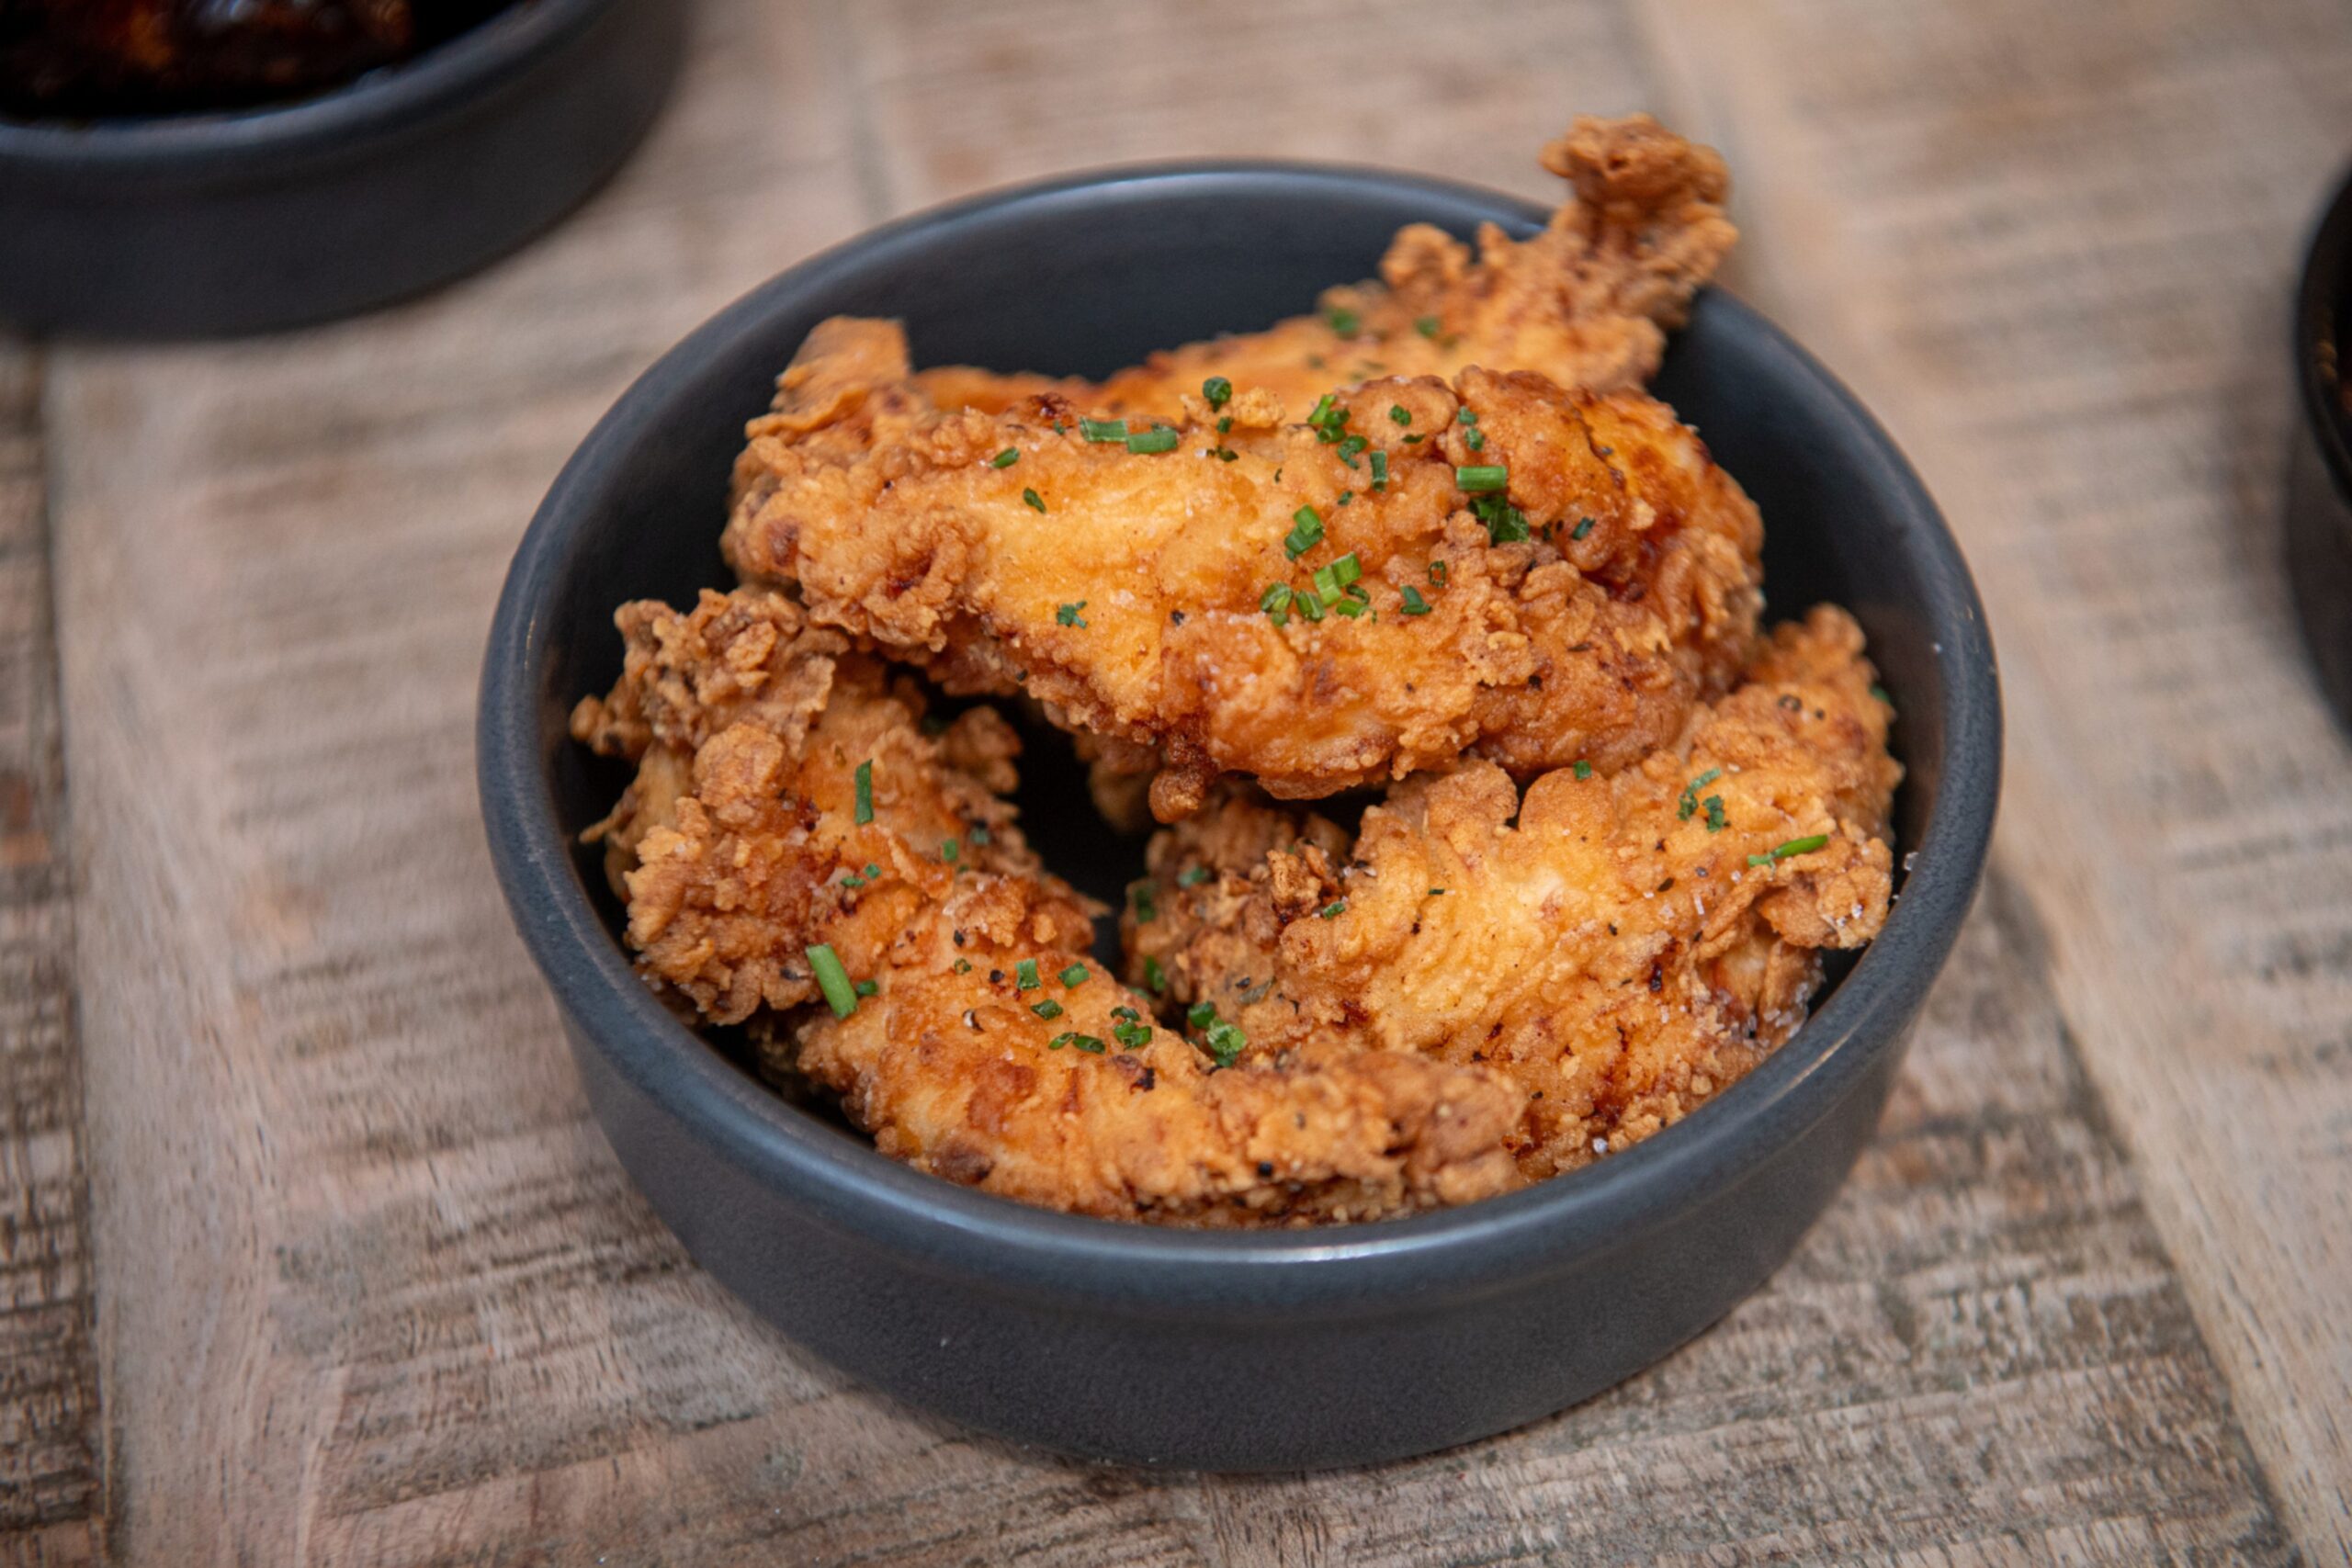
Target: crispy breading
{"type": "Point", "coordinates": [1587, 301]}
{"type": "Point", "coordinates": [980, 1055]}
{"type": "Point", "coordinates": [1622, 948]}
{"type": "Point", "coordinates": [1576, 608]}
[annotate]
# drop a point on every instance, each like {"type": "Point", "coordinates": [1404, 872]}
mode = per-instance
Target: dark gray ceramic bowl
{"type": "Point", "coordinates": [1165, 1347]}
{"type": "Point", "coordinates": [204, 224]}
{"type": "Point", "coordinates": [2319, 473]}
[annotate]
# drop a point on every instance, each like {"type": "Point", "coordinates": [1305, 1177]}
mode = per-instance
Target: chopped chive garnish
{"type": "Point", "coordinates": [1048, 1010]}
{"type": "Point", "coordinates": [1084, 1042]}
{"type": "Point", "coordinates": [949, 850]}
{"type": "Point", "coordinates": [833, 979]}
{"type": "Point", "coordinates": [1067, 614]}
{"type": "Point", "coordinates": [1346, 496]}
{"type": "Point", "coordinates": [868, 988]}
{"type": "Point", "coordinates": [1324, 406]}
{"type": "Point", "coordinates": [1714, 804]}
{"type": "Point", "coordinates": [1275, 602]}
{"type": "Point", "coordinates": [1437, 892]}
{"type": "Point", "coordinates": [1327, 586]}
{"type": "Point", "coordinates": [1347, 568]}
{"type": "Point", "coordinates": [1104, 429]}
{"type": "Point", "coordinates": [1306, 532]}
{"type": "Point", "coordinates": [1581, 529]}
{"type": "Point", "coordinates": [1350, 608]}
{"type": "Point", "coordinates": [1226, 454]}
{"type": "Point", "coordinates": [1426, 326]}
{"type": "Point", "coordinates": [1145, 441]}
{"type": "Point", "coordinates": [1193, 875]}
{"type": "Point", "coordinates": [853, 882]}
{"type": "Point", "coordinates": [873, 872]}
{"type": "Point", "coordinates": [1415, 440]}
{"type": "Point", "coordinates": [1131, 1033]}
{"type": "Point", "coordinates": [1139, 899]}
{"type": "Point", "coordinates": [1024, 975]}
{"type": "Point", "coordinates": [1005, 459]}
{"type": "Point", "coordinates": [1200, 1015]}
{"type": "Point", "coordinates": [1074, 976]}
{"type": "Point", "coordinates": [1220, 393]}
{"type": "Point", "coordinates": [1506, 523]}
{"type": "Point", "coordinates": [1334, 910]}
{"type": "Point", "coordinates": [1380, 471]}
{"type": "Point", "coordinates": [1343, 320]}
{"type": "Point", "coordinates": [1400, 413]}
{"type": "Point", "coordinates": [1467, 414]}
{"type": "Point", "coordinates": [1482, 477]}
{"type": "Point", "coordinates": [1414, 604]}
{"type": "Point", "coordinates": [1584, 769]}
{"type": "Point", "coordinates": [1033, 498]}
{"type": "Point", "coordinates": [1803, 846]}
{"type": "Point", "coordinates": [1349, 447]}
{"type": "Point", "coordinates": [1880, 693]}
{"type": "Point", "coordinates": [1224, 1042]}
{"type": "Point", "coordinates": [1155, 977]}
{"type": "Point", "coordinates": [963, 966]}
{"type": "Point", "coordinates": [1687, 806]}
{"type": "Point", "coordinates": [979, 835]}
{"type": "Point", "coordinates": [1476, 440]}
{"type": "Point", "coordinates": [1309, 605]}
{"type": "Point", "coordinates": [865, 790]}
{"type": "Point", "coordinates": [1439, 572]}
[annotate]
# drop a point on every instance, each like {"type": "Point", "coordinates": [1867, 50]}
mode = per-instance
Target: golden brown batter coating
{"type": "Point", "coordinates": [989, 1050]}
{"type": "Point", "coordinates": [1544, 576]}
{"type": "Point", "coordinates": [1586, 302]}
{"type": "Point", "coordinates": [1622, 948]}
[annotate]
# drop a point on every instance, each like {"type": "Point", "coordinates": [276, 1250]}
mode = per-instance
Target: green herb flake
{"type": "Point", "coordinates": [1155, 978]}
{"type": "Point", "coordinates": [1104, 429]}
{"type": "Point", "coordinates": [1220, 393]}
{"type": "Point", "coordinates": [868, 988]}
{"type": "Point", "coordinates": [1714, 804]}
{"type": "Point", "coordinates": [979, 836]}
{"type": "Point", "coordinates": [1139, 899]}
{"type": "Point", "coordinates": [1581, 529]}
{"type": "Point", "coordinates": [1005, 459]}
{"type": "Point", "coordinates": [1688, 806]}
{"type": "Point", "coordinates": [1427, 326]}
{"type": "Point", "coordinates": [1400, 413]}
{"type": "Point", "coordinates": [1032, 498]}
{"type": "Point", "coordinates": [1334, 910]}
{"type": "Point", "coordinates": [1306, 532]}
{"type": "Point", "coordinates": [1067, 614]}
{"type": "Point", "coordinates": [1309, 605]}
{"type": "Point", "coordinates": [963, 966]}
{"type": "Point", "coordinates": [1275, 602]}
{"type": "Point", "coordinates": [1437, 892]}
{"type": "Point", "coordinates": [1380, 471]}
{"type": "Point", "coordinates": [1145, 442]}
{"type": "Point", "coordinates": [833, 979]}
{"type": "Point", "coordinates": [1480, 477]}
{"type": "Point", "coordinates": [1074, 976]}
{"type": "Point", "coordinates": [1200, 1015]}
{"type": "Point", "coordinates": [1193, 875]}
{"type": "Point", "coordinates": [1476, 440]}
{"type": "Point", "coordinates": [1803, 846]}
{"type": "Point", "coordinates": [1414, 604]}
{"type": "Point", "coordinates": [1048, 1010]}
{"type": "Point", "coordinates": [1024, 975]}
{"type": "Point", "coordinates": [1086, 1043]}
{"type": "Point", "coordinates": [1349, 447]}
{"type": "Point", "coordinates": [866, 792]}
{"type": "Point", "coordinates": [1439, 573]}
{"type": "Point", "coordinates": [1584, 769]}
{"type": "Point", "coordinates": [950, 851]}
{"type": "Point", "coordinates": [1342, 320]}
{"type": "Point", "coordinates": [1467, 414]}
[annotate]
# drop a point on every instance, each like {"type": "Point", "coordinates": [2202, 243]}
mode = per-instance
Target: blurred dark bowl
{"type": "Point", "coordinates": [212, 224]}
{"type": "Point", "coordinates": [1250, 1352]}
{"type": "Point", "coordinates": [2319, 471]}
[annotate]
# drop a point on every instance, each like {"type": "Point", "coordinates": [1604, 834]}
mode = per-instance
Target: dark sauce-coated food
{"type": "Point", "coordinates": [93, 59]}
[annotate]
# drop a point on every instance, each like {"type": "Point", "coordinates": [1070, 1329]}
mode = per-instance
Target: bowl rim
{"type": "Point", "coordinates": [977, 1237]}
{"type": "Point", "coordinates": [386, 100]}
{"type": "Point", "coordinates": [2327, 280]}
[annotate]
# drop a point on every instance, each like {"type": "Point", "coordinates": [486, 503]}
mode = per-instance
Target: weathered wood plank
{"type": "Point", "coordinates": [2055, 247]}
{"type": "Point", "coordinates": [49, 1399]}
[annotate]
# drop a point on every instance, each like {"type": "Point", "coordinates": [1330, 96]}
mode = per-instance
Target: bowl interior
{"type": "Point", "coordinates": [1091, 275]}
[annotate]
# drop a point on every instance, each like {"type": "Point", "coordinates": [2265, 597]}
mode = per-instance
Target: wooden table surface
{"type": "Point", "coordinates": [310, 1252]}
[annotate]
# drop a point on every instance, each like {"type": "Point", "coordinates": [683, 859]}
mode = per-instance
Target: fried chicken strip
{"type": "Point", "coordinates": [1539, 576]}
{"type": "Point", "coordinates": [1622, 948]}
{"type": "Point", "coordinates": [985, 1051]}
{"type": "Point", "coordinates": [1586, 302]}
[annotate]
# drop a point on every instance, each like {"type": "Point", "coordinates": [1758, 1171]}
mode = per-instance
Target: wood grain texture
{"type": "Point", "coordinates": [2057, 256]}
{"type": "Point", "coordinates": [370, 1287]}
{"type": "Point", "coordinates": [49, 1405]}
